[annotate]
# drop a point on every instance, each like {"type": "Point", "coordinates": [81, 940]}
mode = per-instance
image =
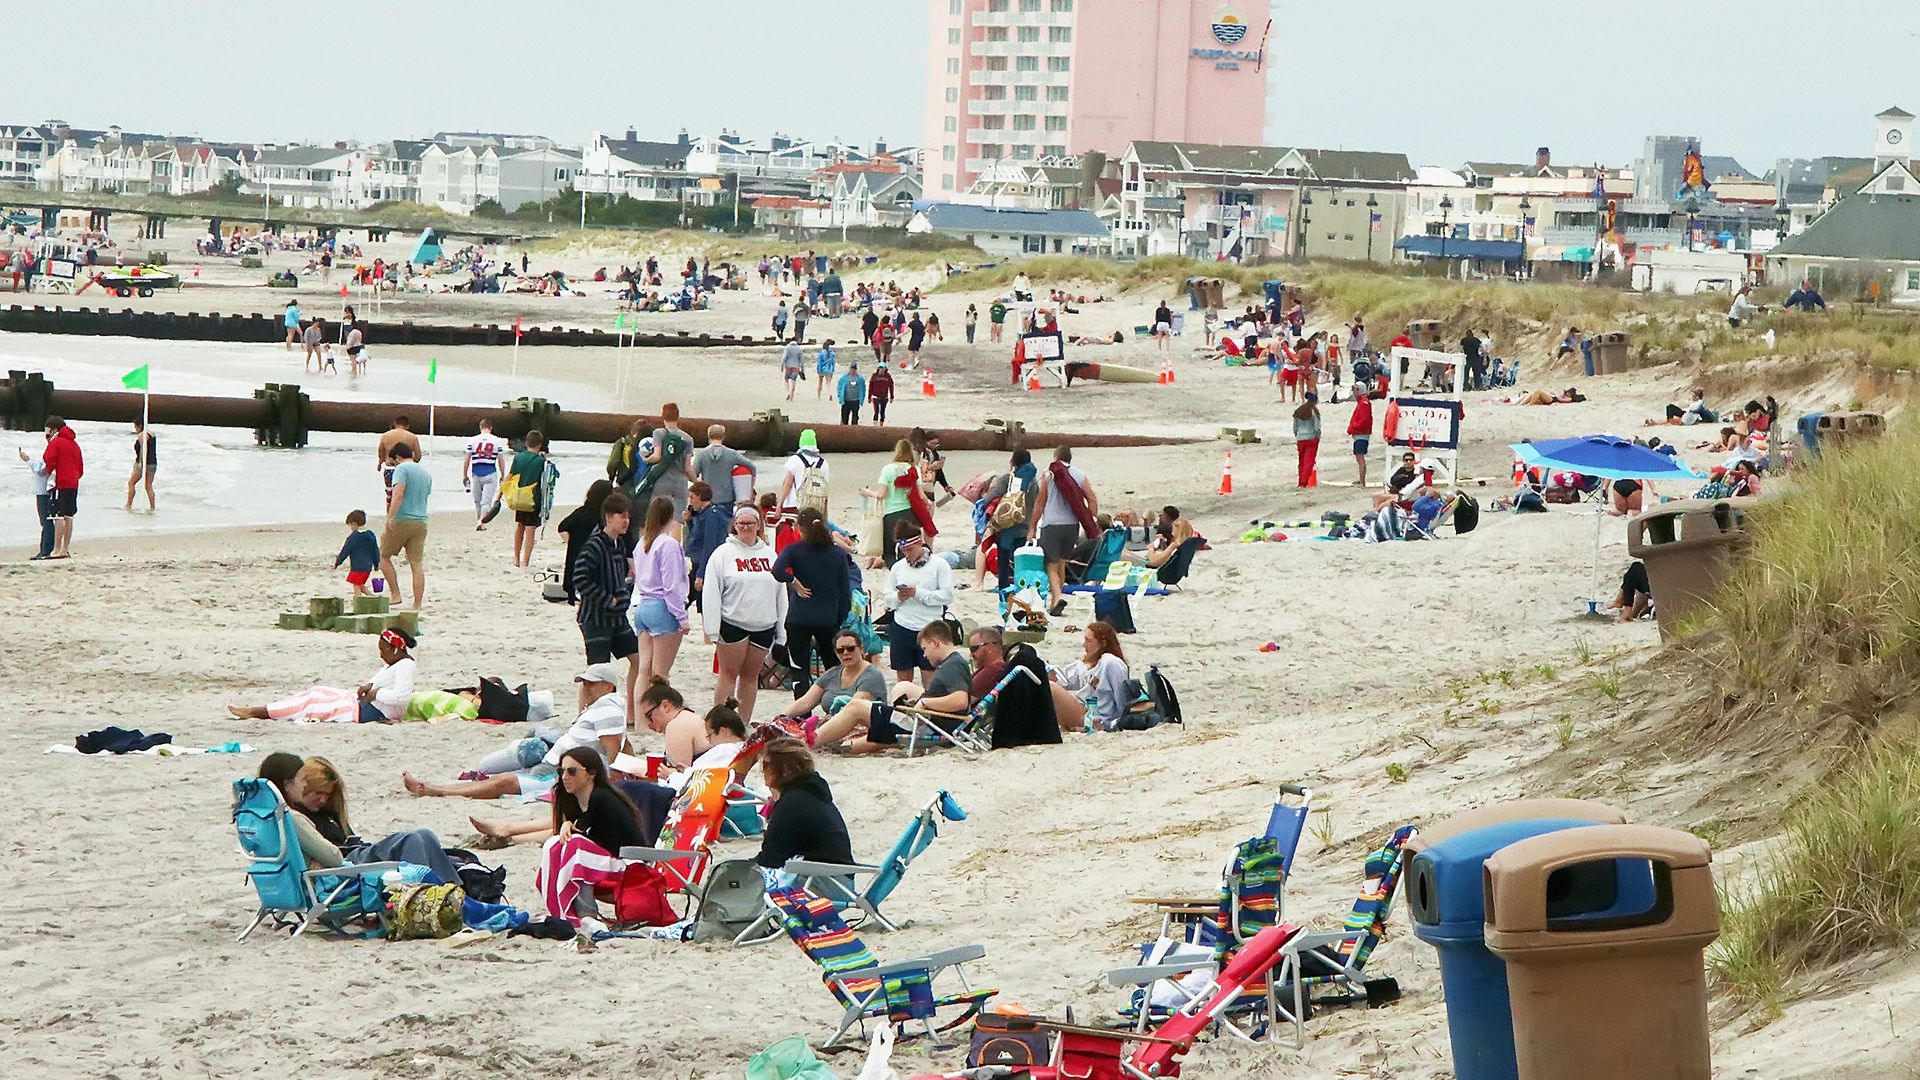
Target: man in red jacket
{"type": "Point", "coordinates": [64, 466]}
{"type": "Point", "coordinates": [1360, 426]}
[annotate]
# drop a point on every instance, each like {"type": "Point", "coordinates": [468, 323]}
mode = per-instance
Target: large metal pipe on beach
{"type": "Point", "coordinates": [26, 403]}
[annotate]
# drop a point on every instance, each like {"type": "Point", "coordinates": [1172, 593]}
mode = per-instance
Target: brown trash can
{"type": "Point", "coordinates": [1610, 353]}
{"type": "Point", "coordinates": [1425, 333]}
{"type": "Point", "coordinates": [1616, 998]}
{"type": "Point", "coordinates": [1513, 810]}
{"type": "Point", "coordinates": [1687, 545]}
{"type": "Point", "coordinates": [1840, 430]}
{"type": "Point", "coordinates": [1213, 293]}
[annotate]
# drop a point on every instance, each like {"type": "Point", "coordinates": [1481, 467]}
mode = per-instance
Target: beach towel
{"type": "Point", "coordinates": [318, 705]}
{"type": "Point", "coordinates": [115, 740]}
{"type": "Point", "coordinates": [1066, 487]}
{"type": "Point", "coordinates": [917, 500]}
{"type": "Point", "coordinates": [566, 865]}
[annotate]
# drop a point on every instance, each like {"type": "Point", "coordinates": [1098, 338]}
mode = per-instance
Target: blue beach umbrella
{"type": "Point", "coordinates": [1608, 457]}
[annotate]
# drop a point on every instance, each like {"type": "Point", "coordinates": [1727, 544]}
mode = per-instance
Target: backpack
{"type": "Point", "coordinates": [1161, 692]}
{"type": "Point", "coordinates": [1466, 515]}
{"type": "Point", "coordinates": [620, 462]}
{"type": "Point", "coordinates": [812, 490]}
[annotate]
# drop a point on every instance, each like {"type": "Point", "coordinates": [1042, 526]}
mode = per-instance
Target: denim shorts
{"type": "Point", "coordinates": [653, 617]}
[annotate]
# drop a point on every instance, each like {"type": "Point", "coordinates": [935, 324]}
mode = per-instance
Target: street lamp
{"type": "Point", "coordinates": [1372, 205]}
{"type": "Point", "coordinates": [1693, 213]}
{"type": "Point", "coordinates": [1306, 218]}
{"type": "Point", "coordinates": [1446, 215]}
{"type": "Point", "coordinates": [1782, 217]}
{"type": "Point", "coordinates": [1526, 219]}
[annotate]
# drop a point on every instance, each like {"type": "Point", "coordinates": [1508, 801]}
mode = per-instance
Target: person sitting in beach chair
{"type": "Point", "coordinates": [871, 725]}
{"type": "Point", "coordinates": [1695, 412]}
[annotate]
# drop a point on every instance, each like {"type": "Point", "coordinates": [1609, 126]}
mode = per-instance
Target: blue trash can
{"type": "Point", "coordinates": [1273, 289]}
{"type": "Point", "coordinates": [1447, 903]}
{"type": "Point", "coordinates": [819, 264]}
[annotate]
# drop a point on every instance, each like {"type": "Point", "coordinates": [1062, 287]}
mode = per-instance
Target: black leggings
{"type": "Point", "coordinates": [850, 413]}
{"type": "Point", "coordinates": [802, 643]}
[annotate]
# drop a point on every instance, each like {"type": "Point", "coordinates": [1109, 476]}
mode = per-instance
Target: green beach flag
{"type": "Point", "coordinates": [136, 379]}
{"type": "Point", "coordinates": [433, 369]}
{"type": "Point", "coordinates": [620, 321]}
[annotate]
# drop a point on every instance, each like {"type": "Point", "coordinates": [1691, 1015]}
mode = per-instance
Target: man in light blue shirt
{"type": "Point", "coordinates": [407, 523]}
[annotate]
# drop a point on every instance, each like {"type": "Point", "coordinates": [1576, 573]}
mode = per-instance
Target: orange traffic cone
{"type": "Point", "coordinates": [926, 382]}
{"type": "Point", "coordinates": [1033, 377]}
{"type": "Point", "coordinates": [1313, 477]}
{"type": "Point", "coordinates": [1166, 371]}
{"type": "Point", "coordinates": [1226, 475]}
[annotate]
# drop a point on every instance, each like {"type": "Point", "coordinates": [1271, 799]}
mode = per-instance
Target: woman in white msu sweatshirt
{"type": "Point", "coordinates": [743, 609]}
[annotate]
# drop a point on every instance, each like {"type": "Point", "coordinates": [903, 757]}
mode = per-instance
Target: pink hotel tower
{"type": "Point", "coordinates": [1027, 80]}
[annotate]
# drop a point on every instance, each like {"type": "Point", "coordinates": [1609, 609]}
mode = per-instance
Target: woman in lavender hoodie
{"type": "Point", "coordinates": [659, 593]}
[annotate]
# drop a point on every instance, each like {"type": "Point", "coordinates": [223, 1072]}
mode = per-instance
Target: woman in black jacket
{"type": "Point", "coordinates": [820, 596]}
{"type": "Point", "coordinates": [803, 822]}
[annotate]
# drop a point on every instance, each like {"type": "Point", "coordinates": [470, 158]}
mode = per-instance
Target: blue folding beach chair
{"type": "Point", "coordinates": [1194, 920]}
{"type": "Point", "coordinates": [291, 894]}
{"type": "Point", "coordinates": [840, 882]}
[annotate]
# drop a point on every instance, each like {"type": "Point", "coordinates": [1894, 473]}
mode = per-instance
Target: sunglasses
{"type": "Point", "coordinates": [846, 650]}
{"type": "Point", "coordinates": [572, 770]}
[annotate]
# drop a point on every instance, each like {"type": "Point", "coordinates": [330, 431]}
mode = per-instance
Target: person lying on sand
{"type": "Point", "coordinates": [527, 767]}
{"type": "Point", "coordinates": [380, 700]}
{"type": "Point", "coordinates": [1540, 397]}
{"type": "Point", "coordinates": [1082, 339]}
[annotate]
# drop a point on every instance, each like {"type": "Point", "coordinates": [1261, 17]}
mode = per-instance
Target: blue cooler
{"type": "Point", "coordinates": [1447, 904]}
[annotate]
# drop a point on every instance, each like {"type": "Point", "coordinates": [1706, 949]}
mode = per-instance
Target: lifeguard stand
{"type": "Point", "coordinates": [1425, 402]}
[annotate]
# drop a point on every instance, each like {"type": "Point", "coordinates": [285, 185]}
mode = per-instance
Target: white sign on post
{"type": "Point", "coordinates": [1424, 408]}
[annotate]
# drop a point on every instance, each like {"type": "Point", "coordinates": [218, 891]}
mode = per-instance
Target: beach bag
{"type": "Point", "coordinates": [996, 1042]}
{"type": "Point", "coordinates": [974, 488]}
{"type": "Point", "coordinates": [640, 896]}
{"type": "Point", "coordinates": [424, 911]}
{"type": "Point", "coordinates": [871, 526]}
{"type": "Point", "coordinates": [672, 451]}
{"type": "Point", "coordinates": [519, 497]}
{"type": "Point", "coordinates": [812, 492]}
{"type": "Point", "coordinates": [1466, 515]}
{"type": "Point", "coordinates": [1111, 606]}
{"type": "Point", "coordinates": [789, 1059]}
{"type": "Point", "coordinates": [499, 703]}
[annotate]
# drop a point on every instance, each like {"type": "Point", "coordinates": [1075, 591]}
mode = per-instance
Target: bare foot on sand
{"type": "Point", "coordinates": [489, 828]}
{"type": "Point", "coordinates": [417, 787]}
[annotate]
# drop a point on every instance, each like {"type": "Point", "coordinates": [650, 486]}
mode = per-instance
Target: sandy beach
{"type": "Point", "coordinates": [126, 888]}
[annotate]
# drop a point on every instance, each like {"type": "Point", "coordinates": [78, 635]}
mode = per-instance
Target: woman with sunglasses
{"type": "Point", "coordinates": [592, 821]}
{"type": "Point", "coordinates": [665, 712]}
{"type": "Point", "coordinates": [743, 610]}
{"type": "Point", "coordinates": [850, 679]}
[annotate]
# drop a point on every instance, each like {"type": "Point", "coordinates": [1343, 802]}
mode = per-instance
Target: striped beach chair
{"type": "Point", "coordinates": [902, 992]}
{"type": "Point", "coordinates": [1249, 905]}
{"type": "Point", "coordinates": [1337, 959]}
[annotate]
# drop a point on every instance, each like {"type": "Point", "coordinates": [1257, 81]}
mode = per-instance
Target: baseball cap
{"type": "Point", "coordinates": [605, 673]}
{"type": "Point", "coordinates": [809, 440]}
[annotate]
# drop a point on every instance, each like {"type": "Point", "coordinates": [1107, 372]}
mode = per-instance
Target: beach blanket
{"type": "Point", "coordinates": [162, 750]}
{"type": "Point", "coordinates": [318, 705]}
{"type": "Point", "coordinates": [1066, 487]}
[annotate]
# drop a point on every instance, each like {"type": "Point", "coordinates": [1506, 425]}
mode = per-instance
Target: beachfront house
{"type": "Point", "coordinates": [635, 168]}
{"type": "Point", "coordinates": [529, 176]}
{"type": "Point", "coordinates": [876, 194]}
{"type": "Point", "coordinates": [1051, 184]}
{"type": "Point", "coordinates": [1007, 233]}
{"type": "Point", "coordinates": [1869, 237]}
{"type": "Point", "coordinates": [25, 147]}
{"type": "Point", "coordinates": [307, 177]}
{"type": "Point", "coordinates": [1254, 202]}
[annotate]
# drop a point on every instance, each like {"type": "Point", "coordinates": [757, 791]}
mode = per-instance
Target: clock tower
{"type": "Point", "coordinates": [1894, 139]}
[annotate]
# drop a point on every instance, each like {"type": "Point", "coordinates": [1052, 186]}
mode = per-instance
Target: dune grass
{"type": "Point", "coordinates": [1813, 645]}
{"type": "Point", "coordinates": [1819, 630]}
{"type": "Point", "coordinates": [1844, 882]}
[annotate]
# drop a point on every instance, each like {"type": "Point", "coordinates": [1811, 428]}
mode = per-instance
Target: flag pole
{"type": "Point", "coordinates": [433, 401]}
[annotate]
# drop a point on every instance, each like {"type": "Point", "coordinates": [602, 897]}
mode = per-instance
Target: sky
{"type": "Point", "coordinates": [1443, 81]}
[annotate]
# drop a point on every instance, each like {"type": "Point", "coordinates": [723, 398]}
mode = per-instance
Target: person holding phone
{"type": "Point", "coordinates": [921, 587]}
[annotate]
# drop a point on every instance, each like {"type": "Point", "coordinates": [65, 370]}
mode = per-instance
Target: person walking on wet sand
{"type": "Point", "coordinates": [292, 318]}
{"type": "Point", "coordinates": [400, 434]}
{"type": "Point", "coordinates": [65, 465]}
{"type": "Point", "coordinates": [146, 459]}
{"type": "Point", "coordinates": [407, 524]}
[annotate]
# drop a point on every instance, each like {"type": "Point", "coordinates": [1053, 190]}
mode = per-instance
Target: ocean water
{"type": "Point", "coordinates": [216, 477]}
